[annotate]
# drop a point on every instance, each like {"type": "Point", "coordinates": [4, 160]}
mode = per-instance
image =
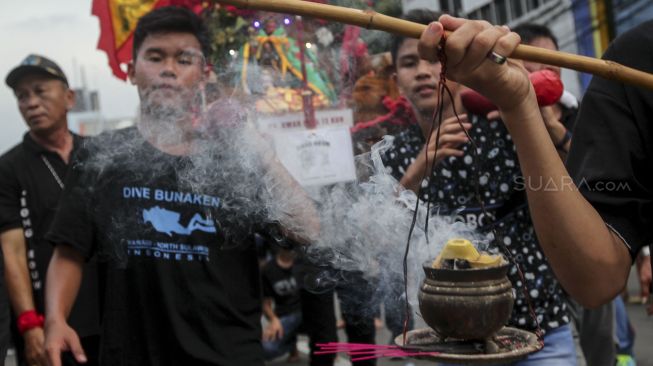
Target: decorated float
{"type": "Point", "coordinates": [298, 75]}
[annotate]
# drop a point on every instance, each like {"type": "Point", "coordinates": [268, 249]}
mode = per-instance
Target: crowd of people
{"type": "Point", "coordinates": [99, 269]}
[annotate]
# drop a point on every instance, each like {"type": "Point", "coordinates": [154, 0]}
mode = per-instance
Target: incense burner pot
{"type": "Point", "coordinates": [469, 304]}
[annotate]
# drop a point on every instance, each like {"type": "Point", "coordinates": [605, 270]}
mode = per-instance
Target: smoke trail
{"type": "Point", "coordinates": [363, 224]}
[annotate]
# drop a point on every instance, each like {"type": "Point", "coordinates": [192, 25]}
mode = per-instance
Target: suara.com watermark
{"type": "Point", "coordinates": [566, 183]}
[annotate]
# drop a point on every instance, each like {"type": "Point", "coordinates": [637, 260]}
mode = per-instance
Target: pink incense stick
{"type": "Point", "coordinates": [362, 351]}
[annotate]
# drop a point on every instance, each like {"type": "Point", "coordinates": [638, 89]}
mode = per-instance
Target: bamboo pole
{"type": "Point", "coordinates": [372, 20]}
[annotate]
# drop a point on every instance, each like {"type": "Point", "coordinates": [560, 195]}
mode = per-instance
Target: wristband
{"type": "Point", "coordinates": [29, 319]}
{"type": "Point", "coordinates": [646, 251]}
{"type": "Point", "coordinates": [561, 145]}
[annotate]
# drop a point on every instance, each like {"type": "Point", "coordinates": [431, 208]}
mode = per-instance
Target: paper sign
{"type": "Point", "coordinates": [317, 157]}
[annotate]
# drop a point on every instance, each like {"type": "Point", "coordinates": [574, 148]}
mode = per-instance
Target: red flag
{"type": "Point", "coordinates": [118, 20]}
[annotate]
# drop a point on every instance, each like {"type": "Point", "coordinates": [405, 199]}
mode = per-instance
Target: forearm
{"type": "Point", "coordinates": [414, 174]}
{"type": "Point", "coordinates": [558, 134]}
{"type": "Point", "coordinates": [267, 309]}
{"type": "Point", "coordinates": [299, 217]}
{"type": "Point", "coordinates": [63, 281]}
{"type": "Point", "coordinates": [17, 277]}
{"type": "Point", "coordinates": [579, 246]}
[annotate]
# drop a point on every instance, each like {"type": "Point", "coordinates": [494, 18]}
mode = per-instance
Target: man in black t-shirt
{"type": "Point", "coordinates": [281, 289]}
{"type": "Point", "coordinates": [32, 181]}
{"type": "Point", "coordinates": [169, 209]}
{"type": "Point", "coordinates": [595, 326]}
{"type": "Point", "coordinates": [593, 227]}
{"type": "Point", "coordinates": [611, 158]}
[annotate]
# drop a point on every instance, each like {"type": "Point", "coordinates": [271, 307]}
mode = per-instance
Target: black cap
{"type": "Point", "coordinates": [35, 64]}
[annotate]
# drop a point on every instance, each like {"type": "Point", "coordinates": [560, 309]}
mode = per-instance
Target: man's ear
{"type": "Point", "coordinates": [208, 75]}
{"type": "Point", "coordinates": [131, 70]}
{"type": "Point", "coordinates": [393, 77]}
{"type": "Point", "coordinates": [71, 96]}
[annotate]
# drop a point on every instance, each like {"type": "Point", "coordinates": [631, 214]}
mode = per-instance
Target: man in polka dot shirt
{"type": "Point", "coordinates": [451, 189]}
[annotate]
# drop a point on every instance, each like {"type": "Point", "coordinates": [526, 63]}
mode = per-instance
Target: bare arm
{"type": "Point", "coordinates": [19, 285]}
{"type": "Point", "coordinates": [267, 309]}
{"type": "Point", "coordinates": [557, 131]}
{"type": "Point", "coordinates": [274, 330]}
{"type": "Point", "coordinates": [289, 203]}
{"type": "Point", "coordinates": [300, 220]}
{"type": "Point", "coordinates": [63, 281]}
{"type": "Point", "coordinates": [589, 260]}
{"type": "Point", "coordinates": [293, 208]}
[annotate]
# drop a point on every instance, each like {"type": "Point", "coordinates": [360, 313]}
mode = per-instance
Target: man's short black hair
{"type": "Point", "coordinates": [531, 31]}
{"type": "Point", "coordinates": [422, 16]}
{"type": "Point", "coordinates": [171, 19]}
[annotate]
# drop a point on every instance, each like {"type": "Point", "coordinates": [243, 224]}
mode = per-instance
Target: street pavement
{"type": "Point", "coordinates": [643, 325]}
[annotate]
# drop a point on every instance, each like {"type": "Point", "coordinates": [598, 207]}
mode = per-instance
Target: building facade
{"type": "Point", "coordinates": [558, 15]}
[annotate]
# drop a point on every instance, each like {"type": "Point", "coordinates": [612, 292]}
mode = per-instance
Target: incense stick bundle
{"type": "Point", "coordinates": [372, 20]}
{"type": "Point", "coordinates": [361, 351]}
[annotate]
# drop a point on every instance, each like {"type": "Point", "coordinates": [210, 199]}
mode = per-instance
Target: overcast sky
{"type": "Point", "coordinates": [66, 32]}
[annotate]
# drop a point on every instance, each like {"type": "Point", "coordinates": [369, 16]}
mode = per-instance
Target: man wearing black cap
{"type": "Point", "coordinates": [32, 180]}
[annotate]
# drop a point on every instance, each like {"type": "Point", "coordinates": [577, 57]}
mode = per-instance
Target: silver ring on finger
{"type": "Point", "coordinates": [497, 58]}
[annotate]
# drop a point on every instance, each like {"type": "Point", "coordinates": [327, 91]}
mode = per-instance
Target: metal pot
{"type": "Point", "coordinates": [469, 304]}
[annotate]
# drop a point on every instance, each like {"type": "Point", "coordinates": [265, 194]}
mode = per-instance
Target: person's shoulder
{"type": "Point", "coordinates": [122, 133]}
{"type": "Point", "coordinates": [110, 140]}
{"type": "Point", "coordinates": [93, 154]}
{"type": "Point", "coordinates": [637, 34]}
{"type": "Point", "coordinates": [11, 156]}
{"type": "Point", "coordinates": [631, 47]}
